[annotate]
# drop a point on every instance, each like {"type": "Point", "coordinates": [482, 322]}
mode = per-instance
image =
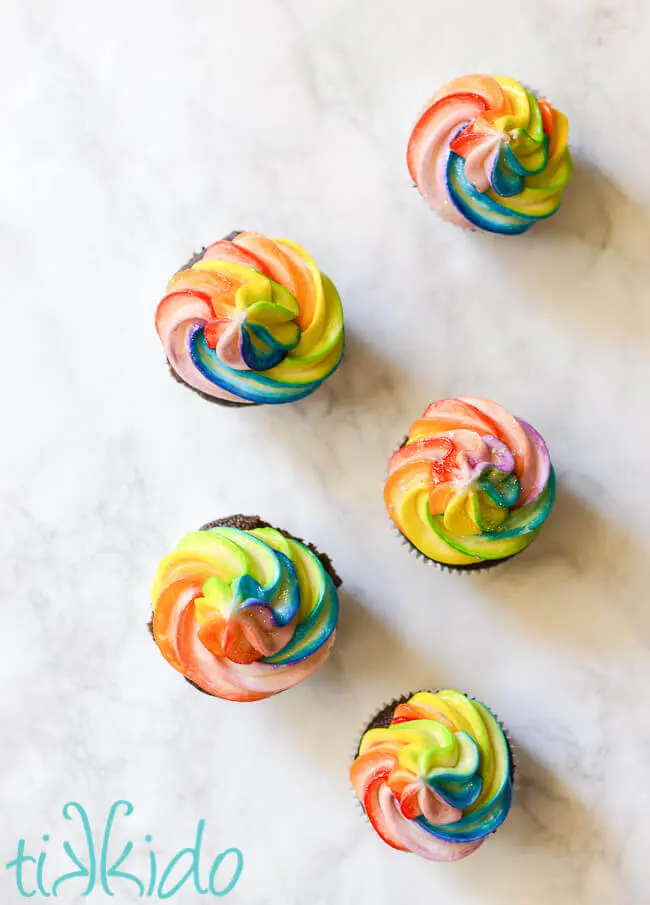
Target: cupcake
{"type": "Point", "coordinates": [251, 320]}
{"type": "Point", "coordinates": [433, 773]}
{"type": "Point", "coordinates": [488, 154]}
{"type": "Point", "coordinates": [471, 485]}
{"type": "Point", "coordinates": [244, 610]}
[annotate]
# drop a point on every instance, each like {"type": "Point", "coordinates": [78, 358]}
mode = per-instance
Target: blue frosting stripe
{"type": "Point", "coordinates": [477, 824]}
{"type": "Point", "coordinates": [260, 349]}
{"type": "Point", "coordinates": [504, 183]}
{"type": "Point", "coordinates": [281, 596]}
{"type": "Point", "coordinates": [478, 207]}
{"type": "Point", "coordinates": [528, 518]}
{"type": "Point", "coordinates": [459, 786]}
{"type": "Point", "coordinates": [250, 385]}
{"type": "Point", "coordinates": [461, 794]}
{"type": "Point", "coordinates": [512, 162]}
{"type": "Point", "coordinates": [506, 180]}
{"type": "Point", "coordinates": [311, 634]}
{"type": "Point", "coordinates": [503, 488]}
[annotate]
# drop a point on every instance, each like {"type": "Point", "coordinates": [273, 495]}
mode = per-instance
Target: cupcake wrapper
{"type": "Point", "coordinates": [479, 566]}
{"type": "Point", "coordinates": [382, 718]}
{"type": "Point", "coordinates": [514, 762]}
{"type": "Point", "coordinates": [225, 403]}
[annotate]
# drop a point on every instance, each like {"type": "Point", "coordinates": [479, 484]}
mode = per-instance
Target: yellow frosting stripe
{"type": "Point", "coordinates": [560, 162]}
{"type": "Point", "coordinates": [274, 539]}
{"type": "Point", "coordinates": [312, 333]}
{"type": "Point", "coordinates": [324, 354]}
{"type": "Point", "coordinates": [217, 599]}
{"type": "Point", "coordinates": [253, 289]}
{"type": "Point", "coordinates": [475, 719]}
{"type": "Point", "coordinates": [500, 756]}
{"type": "Point", "coordinates": [199, 553]}
{"type": "Point", "coordinates": [308, 572]}
{"type": "Point", "coordinates": [534, 202]}
{"type": "Point", "coordinates": [172, 569]}
{"type": "Point", "coordinates": [519, 115]}
{"type": "Point", "coordinates": [460, 516]}
{"type": "Point", "coordinates": [431, 704]}
{"type": "Point", "coordinates": [465, 716]}
{"type": "Point", "coordinates": [415, 525]}
{"type": "Point", "coordinates": [542, 192]}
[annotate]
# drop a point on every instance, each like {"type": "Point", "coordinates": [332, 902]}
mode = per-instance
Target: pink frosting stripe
{"type": "Point", "coordinates": [532, 462]}
{"type": "Point", "coordinates": [178, 353]}
{"type": "Point", "coordinates": [542, 468]}
{"type": "Point", "coordinates": [178, 315]}
{"type": "Point", "coordinates": [481, 160]}
{"type": "Point", "coordinates": [411, 836]}
{"type": "Point", "coordinates": [229, 344]}
{"type": "Point", "coordinates": [251, 681]}
{"type": "Point", "coordinates": [429, 150]}
{"type": "Point", "coordinates": [224, 678]}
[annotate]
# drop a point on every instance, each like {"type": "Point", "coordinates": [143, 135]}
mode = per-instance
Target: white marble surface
{"type": "Point", "coordinates": [131, 134]}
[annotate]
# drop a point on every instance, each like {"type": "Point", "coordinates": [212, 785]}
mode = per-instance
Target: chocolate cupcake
{"type": "Point", "coordinates": [251, 320]}
{"type": "Point", "coordinates": [244, 610]}
{"type": "Point", "coordinates": [471, 485]}
{"type": "Point", "coordinates": [434, 774]}
{"type": "Point", "coordinates": [488, 154]}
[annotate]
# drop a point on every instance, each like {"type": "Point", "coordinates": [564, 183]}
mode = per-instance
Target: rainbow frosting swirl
{"type": "Point", "coordinates": [487, 154]}
{"type": "Point", "coordinates": [243, 614]}
{"type": "Point", "coordinates": [438, 779]}
{"type": "Point", "coordinates": [253, 320]}
{"type": "Point", "coordinates": [471, 484]}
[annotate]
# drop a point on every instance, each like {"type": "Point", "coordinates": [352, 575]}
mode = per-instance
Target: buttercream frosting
{"type": "Point", "coordinates": [252, 320]}
{"type": "Point", "coordinates": [471, 484]}
{"type": "Point", "coordinates": [243, 614]}
{"type": "Point", "coordinates": [488, 154]}
{"type": "Point", "coordinates": [437, 780]}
